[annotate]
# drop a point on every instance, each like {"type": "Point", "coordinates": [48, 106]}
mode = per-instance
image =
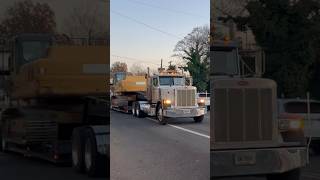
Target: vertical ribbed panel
{"type": "Point", "coordinates": [186, 97]}
{"type": "Point", "coordinates": [243, 115]}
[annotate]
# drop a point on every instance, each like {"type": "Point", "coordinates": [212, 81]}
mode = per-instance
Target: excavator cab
{"type": "Point", "coordinates": [22, 49]}
{"type": "Point", "coordinates": [119, 76]}
{"type": "Point", "coordinates": [30, 47]}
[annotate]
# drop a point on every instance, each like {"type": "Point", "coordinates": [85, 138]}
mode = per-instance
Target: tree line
{"type": "Point", "coordinates": [288, 32]}
{"type": "Point", "coordinates": [36, 17]}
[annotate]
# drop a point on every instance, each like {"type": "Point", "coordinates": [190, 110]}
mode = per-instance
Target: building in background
{"type": "Point", "coordinates": [224, 8]}
{"type": "Point", "coordinates": [251, 54]}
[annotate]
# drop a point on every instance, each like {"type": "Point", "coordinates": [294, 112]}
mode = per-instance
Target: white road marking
{"type": "Point", "coordinates": [183, 129]}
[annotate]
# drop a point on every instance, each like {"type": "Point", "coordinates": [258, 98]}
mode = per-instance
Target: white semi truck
{"type": "Point", "coordinates": [169, 94]}
{"type": "Point", "coordinates": [247, 137]}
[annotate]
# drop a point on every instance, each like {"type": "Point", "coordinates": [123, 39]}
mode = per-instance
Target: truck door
{"type": "Point", "coordinates": [155, 90]}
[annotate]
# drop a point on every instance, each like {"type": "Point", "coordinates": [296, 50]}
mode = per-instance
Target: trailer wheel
{"type": "Point", "coordinates": [78, 149]}
{"type": "Point", "coordinates": [139, 113]}
{"type": "Point", "coordinates": [95, 164]}
{"type": "Point", "coordinates": [1, 138]}
{"type": "Point", "coordinates": [4, 145]}
{"type": "Point", "coordinates": [161, 119]}
{"type": "Point", "coordinates": [290, 175]}
{"type": "Point", "coordinates": [133, 109]}
{"type": "Point", "coordinates": [198, 119]}
{"type": "Point", "coordinates": [3, 142]}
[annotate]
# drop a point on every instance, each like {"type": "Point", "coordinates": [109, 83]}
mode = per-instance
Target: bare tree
{"type": "Point", "coordinates": [119, 67]}
{"type": "Point", "coordinates": [28, 17]}
{"type": "Point", "coordinates": [138, 69]}
{"type": "Point", "coordinates": [88, 20]}
{"type": "Point", "coordinates": [194, 50]}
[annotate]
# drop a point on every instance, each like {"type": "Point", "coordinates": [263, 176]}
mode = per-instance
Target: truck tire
{"type": "Point", "coordinates": [0, 139]}
{"type": "Point", "coordinates": [161, 119]}
{"type": "Point", "coordinates": [133, 109]}
{"type": "Point", "coordinates": [95, 164]}
{"type": "Point", "coordinates": [290, 175]}
{"type": "Point", "coordinates": [77, 152]}
{"type": "Point", "coordinates": [198, 119]}
{"type": "Point", "coordinates": [3, 143]}
{"type": "Point", "coordinates": [139, 113]}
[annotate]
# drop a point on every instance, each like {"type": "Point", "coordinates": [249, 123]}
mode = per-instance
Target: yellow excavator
{"type": "Point", "coordinates": [57, 106]}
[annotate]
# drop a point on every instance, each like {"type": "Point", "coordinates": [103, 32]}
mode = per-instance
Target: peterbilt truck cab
{"type": "Point", "coordinates": [174, 97]}
{"type": "Point", "coordinates": [247, 136]}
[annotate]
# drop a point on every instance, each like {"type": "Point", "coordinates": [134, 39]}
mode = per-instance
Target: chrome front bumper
{"type": "Point", "coordinates": [266, 161]}
{"type": "Point", "coordinates": [184, 112]}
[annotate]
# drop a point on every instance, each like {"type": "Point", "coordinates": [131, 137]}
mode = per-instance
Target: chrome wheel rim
{"type": "Point", "coordinates": [75, 158]}
{"type": "Point", "coordinates": [3, 144]}
{"type": "Point", "coordinates": [160, 117]}
{"type": "Point", "coordinates": [88, 154]}
{"type": "Point", "coordinates": [133, 110]}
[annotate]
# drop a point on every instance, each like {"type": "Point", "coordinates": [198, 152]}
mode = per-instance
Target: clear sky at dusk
{"type": "Point", "coordinates": [145, 31]}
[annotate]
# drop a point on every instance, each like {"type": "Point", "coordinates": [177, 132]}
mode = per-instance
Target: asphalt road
{"type": "Point", "coordinates": [141, 149]}
{"type": "Point", "coordinates": [17, 167]}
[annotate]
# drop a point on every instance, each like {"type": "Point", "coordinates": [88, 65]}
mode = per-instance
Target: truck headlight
{"type": "Point", "coordinates": [292, 129]}
{"type": "Point", "coordinates": [166, 103]}
{"type": "Point", "coordinates": [291, 124]}
{"type": "Point", "coordinates": [201, 102]}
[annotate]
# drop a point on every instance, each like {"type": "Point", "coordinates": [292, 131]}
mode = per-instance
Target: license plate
{"type": "Point", "coordinates": [245, 158]}
{"type": "Point", "coordinates": [186, 111]}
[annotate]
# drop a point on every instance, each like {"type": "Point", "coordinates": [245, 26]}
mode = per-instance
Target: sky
{"type": "Point", "coordinates": [145, 31]}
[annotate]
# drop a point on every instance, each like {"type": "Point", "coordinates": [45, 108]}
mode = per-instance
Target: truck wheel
{"type": "Point", "coordinates": [4, 146]}
{"type": "Point", "coordinates": [133, 110]}
{"type": "Point", "coordinates": [77, 152]}
{"type": "Point", "coordinates": [198, 118]}
{"type": "Point", "coordinates": [3, 142]}
{"type": "Point", "coordinates": [162, 120]}
{"type": "Point", "coordinates": [1, 138]}
{"type": "Point", "coordinates": [139, 113]}
{"type": "Point", "coordinates": [290, 175]}
{"type": "Point", "coordinates": [95, 164]}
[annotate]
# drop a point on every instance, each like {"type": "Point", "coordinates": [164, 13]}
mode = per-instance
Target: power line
{"type": "Point", "coordinates": [146, 25]}
{"type": "Point", "coordinates": [167, 9]}
{"type": "Point", "coordinates": [135, 59]}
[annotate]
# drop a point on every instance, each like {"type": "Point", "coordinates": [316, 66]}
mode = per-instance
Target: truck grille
{"type": "Point", "coordinates": [41, 131]}
{"type": "Point", "coordinates": [243, 114]}
{"type": "Point", "coordinates": [186, 97]}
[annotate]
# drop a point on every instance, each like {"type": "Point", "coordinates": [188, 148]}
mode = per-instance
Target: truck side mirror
{"type": "Point", "coordinates": [188, 81]}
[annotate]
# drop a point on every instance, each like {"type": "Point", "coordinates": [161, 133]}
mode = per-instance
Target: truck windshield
{"type": "Point", "coordinates": [225, 61]}
{"type": "Point", "coordinates": [170, 81]}
{"type": "Point", "coordinates": [33, 50]}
